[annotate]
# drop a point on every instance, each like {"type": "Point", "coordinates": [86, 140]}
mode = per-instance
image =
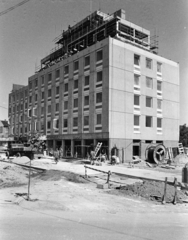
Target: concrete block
{"type": "Point", "coordinates": [102, 186]}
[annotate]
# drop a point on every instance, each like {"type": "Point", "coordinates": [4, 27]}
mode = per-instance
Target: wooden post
{"type": "Point", "coordinates": [28, 195]}
{"type": "Point", "coordinates": [164, 196]}
{"type": "Point", "coordinates": [85, 172]}
{"type": "Point", "coordinates": [175, 193]}
{"type": "Point", "coordinates": [108, 179]}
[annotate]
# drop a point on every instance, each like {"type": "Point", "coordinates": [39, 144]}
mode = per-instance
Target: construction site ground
{"type": "Point", "coordinates": [64, 186]}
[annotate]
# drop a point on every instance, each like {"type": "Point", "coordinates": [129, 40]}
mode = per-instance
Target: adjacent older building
{"type": "Point", "coordinates": [4, 133]}
{"type": "Point", "coordinates": [104, 82]}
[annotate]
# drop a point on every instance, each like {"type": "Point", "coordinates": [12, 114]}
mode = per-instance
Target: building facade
{"type": "Point", "coordinates": [104, 83]}
{"type": "Point", "coordinates": [4, 133]}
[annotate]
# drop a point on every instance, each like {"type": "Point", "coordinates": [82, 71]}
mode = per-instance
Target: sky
{"type": "Point", "coordinates": [27, 35]}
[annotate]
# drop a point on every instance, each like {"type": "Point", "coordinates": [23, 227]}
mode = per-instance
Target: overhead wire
{"type": "Point", "coordinates": [13, 7]}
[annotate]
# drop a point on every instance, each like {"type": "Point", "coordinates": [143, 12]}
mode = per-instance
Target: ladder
{"type": "Point", "coordinates": [97, 149]}
{"type": "Point", "coordinates": [180, 148]}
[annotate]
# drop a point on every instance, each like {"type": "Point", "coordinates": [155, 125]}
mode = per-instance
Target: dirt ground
{"type": "Point", "coordinates": [14, 176]}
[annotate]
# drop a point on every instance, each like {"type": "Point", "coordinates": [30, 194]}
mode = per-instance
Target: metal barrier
{"type": "Point", "coordinates": [108, 173]}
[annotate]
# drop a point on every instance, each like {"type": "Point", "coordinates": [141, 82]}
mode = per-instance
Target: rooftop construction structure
{"type": "Point", "coordinates": [103, 83]}
{"type": "Point", "coordinates": [95, 28]}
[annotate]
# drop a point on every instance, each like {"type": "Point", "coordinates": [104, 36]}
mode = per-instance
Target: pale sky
{"type": "Point", "coordinates": [27, 33]}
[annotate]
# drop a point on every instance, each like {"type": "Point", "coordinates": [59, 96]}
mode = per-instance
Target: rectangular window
{"type": "Point", "coordinates": [75, 104]}
{"type": "Point", "coordinates": [42, 110]}
{"type": "Point", "coordinates": [149, 102]}
{"type": "Point", "coordinates": [149, 82]}
{"type": "Point", "coordinates": [55, 124]}
{"type": "Point", "coordinates": [57, 74]}
{"type": "Point", "coordinates": [49, 108]}
{"type": "Point", "coordinates": [49, 92]}
{"type": "Point", "coordinates": [49, 77]}
{"type": "Point", "coordinates": [137, 100]}
{"type": "Point", "coordinates": [86, 81]}
{"type": "Point", "coordinates": [30, 99]}
{"type": "Point", "coordinates": [65, 123]}
{"type": "Point", "coordinates": [159, 86]}
{"type": "Point", "coordinates": [159, 122]}
{"type": "Point", "coordinates": [149, 122]}
{"type": "Point", "coordinates": [86, 100]}
{"type": "Point", "coordinates": [57, 107]}
{"type": "Point", "coordinates": [75, 122]}
{"type": "Point", "coordinates": [99, 76]}
{"type": "Point", "coordinates": [87, 61]}
{"type": "Point", "coordinates": [57, 90]}
{"type": "Point", "coordinates": [66, 87]}
{"type": "Point", "coordinates": [136, 120]}
{"type": "Point", "coordinates": [99, 97]}
{"type": "Point", "coordinates": [99, 119]}
{"type": "Point", "coordinates": [65, 105]}
{"type": "Point", "coordinates": [66, 69]}
{"type": "Point", "coordinates": [99, 56]}
{"type": "Point", "coordinates": [159, 67]}
{"type": "Point", "coordinates": [36, 82]}
{"type": "Point", "coordinates": [30, 85]}
{"type": "Point", "coordinates": [86, 120]}
{"type": "Point", "coordinates": [36, 96]}
{"type": "Point", "coordinates": [136, 60]}
{"type": "Point", "coordinates": [76, 84]}
{"type": "Point", "coordinates": [148, 63]}
{"type": "Point", "coordinates": [136, 80]}
{"type": "Point", "coordinates": [76, 65]}
{"type": "Point", "coordinates": [49, 124]}
{"type": "Point", "coordinates": [159, 104]}
{"type": "Point", "coordinates": [42, 80]}
{"type": "Point", "coordinates": [42, 95]}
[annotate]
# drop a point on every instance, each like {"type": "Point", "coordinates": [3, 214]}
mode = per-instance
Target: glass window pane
{"type": "Point", "coordinates": [86, 120]}
{"type": "Point", "coordinates": [136, 80]}
{"type": "Point", "coordinates": [136, 60]}
{"type": "Point", "coordinates": [86, 100]}
{"type": "Point", "coordinates": [136, 100]}
{"type": "Point", "coordinates": [136, 120]}
{"type": "Point", "coordinates": [148, 121]}
{"type": "Point", "coordinates": [149, 82]}
{"type": "Point", "coordinates": [99, 119]}
{"type": "Point", "coordinates": [99, 97]}
{"type": "Point", "coordinates": [86, 80]}
{"type": "Point", "coordinates": [99, 55]}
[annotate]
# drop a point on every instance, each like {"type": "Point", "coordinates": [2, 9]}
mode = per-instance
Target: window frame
{"type": "Point", "coordinates": [136, 60]}
{"type": "Point", "coordinates": [150, 81]}
{"type": "Point", "coordinates": [149, 102]}
{"type": "Point", "coordinates": [150, 123]}
{"type": "Point", "coordinates": [99, 55]}
{"type": "Point", "coordinates": [148, 63]}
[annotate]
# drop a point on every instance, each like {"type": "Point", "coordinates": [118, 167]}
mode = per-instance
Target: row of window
{"type": "Point", "coordinates": [149, 102]}
{"type": "Point", "coordinates": [149, 82]}
{"type": "Point", "coordinates": [148, 63]}
{"type": "Point", "coordinates": [74, 122]}
{"type": "Point", "coordinates": [148, 121]}
{"type": "Point", "coordinates": [99, 57]}
{"type": "Point", "coordinates": [75, 103]}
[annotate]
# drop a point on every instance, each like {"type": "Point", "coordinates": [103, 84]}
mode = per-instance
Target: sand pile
{"type": "Point", "coordinates": [12, 175]}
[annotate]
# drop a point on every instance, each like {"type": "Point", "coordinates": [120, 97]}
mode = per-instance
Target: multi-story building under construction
{"type": "Point", "coordinates": [103, 82]}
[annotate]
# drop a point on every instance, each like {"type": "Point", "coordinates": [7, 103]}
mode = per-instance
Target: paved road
{"type": "Point", "coordinates": [19, 223]}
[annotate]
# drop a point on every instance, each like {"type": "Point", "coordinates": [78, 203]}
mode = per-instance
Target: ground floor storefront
{"type": "Point", "coordinates": [80, 146]}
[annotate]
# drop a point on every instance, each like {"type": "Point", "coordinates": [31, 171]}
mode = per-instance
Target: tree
{"type": "Point", "coordinates": [37, 142]}
{"type": "Point", "coordinates": [183, 137]}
